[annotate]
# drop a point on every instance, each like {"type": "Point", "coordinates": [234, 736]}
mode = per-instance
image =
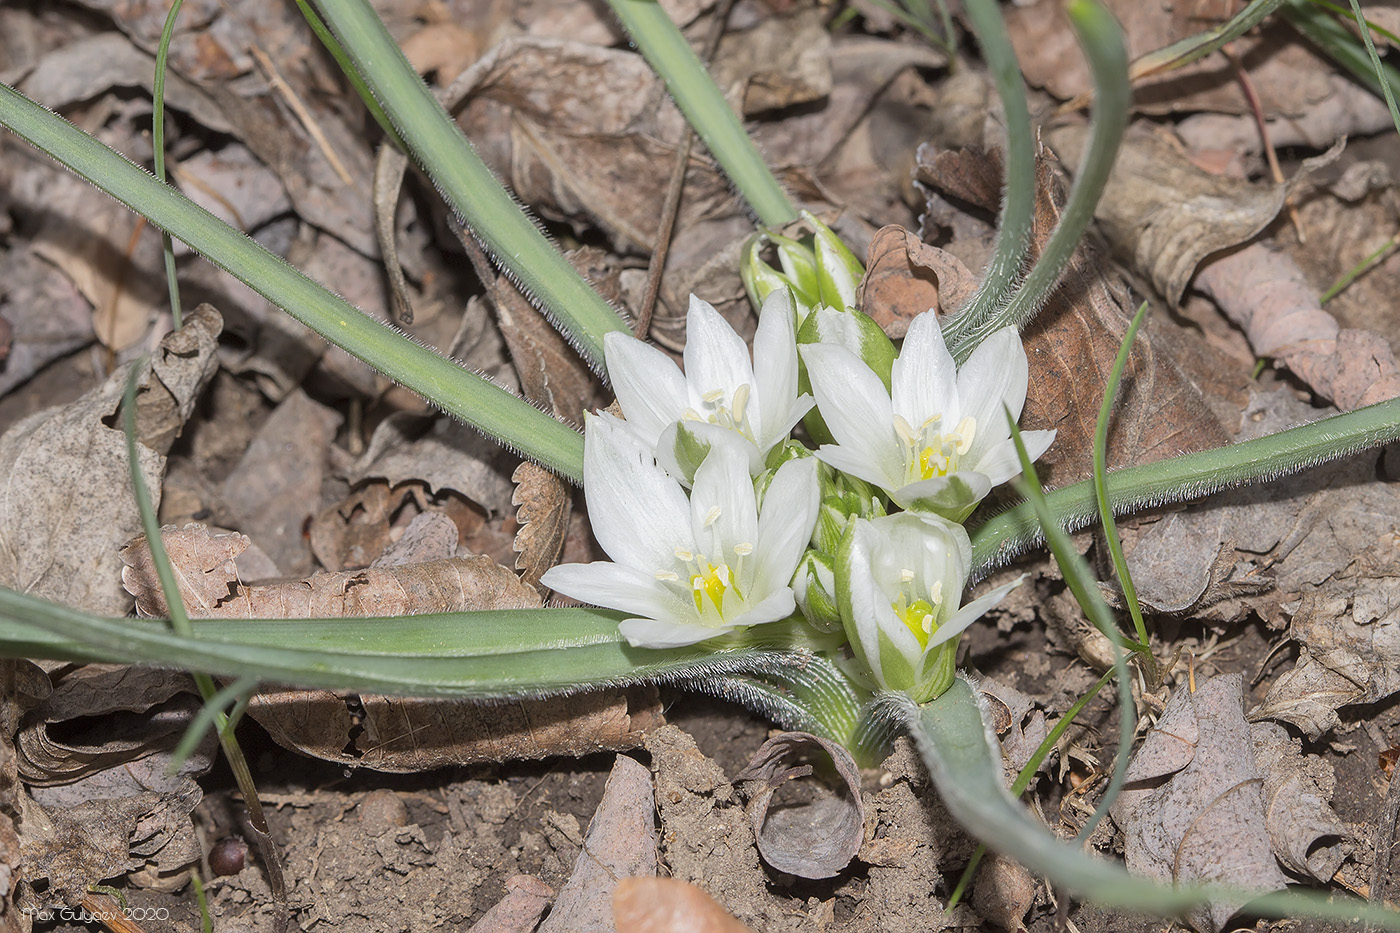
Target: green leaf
{"type": "Point", "coordinates": [455, 390]}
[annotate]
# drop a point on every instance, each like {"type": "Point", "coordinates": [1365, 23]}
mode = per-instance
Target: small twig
{"type": "Point", "coordinates": [308, 122]}
{"type": "Point", "coordinates": [671, 206]}
{"type": "Point", "coordinates": [1257, 109]}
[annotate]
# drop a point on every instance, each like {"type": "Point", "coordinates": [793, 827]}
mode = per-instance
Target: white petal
{"type": "Point", "coordinates": [947, 495]}
{"type": "Point", "coordinates": [712, 434]}
{"type": "Point", "coordinates": [715, 356]}
{"type": "Point", "coordinates": [614, 586]}
{"type": "Point", "coordinates": [657, 633]}
{"type": "Point", "coordinates": [775, 607]}
{"type": "Point", "coordinates": [858, 464]}
{"type": "Point", "coordinates": [785, 524]}
{"type": "Point", "coordinates": [722, 510]}
{"type": "Point", "coordinates": [1000, 463]}
{"type": "Point", "coordinates": [996, 375]}
{"type": "Point", "coordinates": [970, 613]}
{"type": "Point", "coordinates": [649, 385]}
{"type": "Point", "coordinates": [924, 381]}
{"type": "Point", "coordinates": [853, 402]}
{"type": "Point", "coordinates": [638, 513]}
{"type": "Point", "coordinates": [775, 370]}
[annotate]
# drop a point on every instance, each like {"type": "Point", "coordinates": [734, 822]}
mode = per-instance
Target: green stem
{"type": "Point", "coordinates": [172, 282]}
{"type": "Point", "coordinates": [1106, 519]}
{"type": "Point", "coordinates": [714, 121]}
{"type": "Point", "coordinates": [468, 186]}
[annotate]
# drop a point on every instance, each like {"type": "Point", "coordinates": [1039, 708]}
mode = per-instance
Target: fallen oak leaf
{"type": "Point", "coordinates": [544, 505]}
{"type": "Point", "coordinates": [904, 277]}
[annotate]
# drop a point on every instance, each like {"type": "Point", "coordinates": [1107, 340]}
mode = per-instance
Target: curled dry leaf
{"type": "Point", "coordinates": [67, 501]}
{"type": "Point", "coordinates": [70, 735]}
{"type": "Point", "coordinates": [1267, 296]}
{"type": "Point", "coordinates": [905, 277]}
{"type": "Point", "coordinates": [1202, 820]}
{"type": "Point", "coordinates": [1003, 893]}
{"type": "Point", "coordinates": [1307, 836]}
{"type": "Point", "coordinates": [817, 839]}
{"type": "Point", "coordinates": [1164, 214]}
{"type": "Point", "coordinates": [545, 504]}
{"type": "Point", "coordinates": [668, 905]}
{"type": "Point", "coordinates": [621, 843]}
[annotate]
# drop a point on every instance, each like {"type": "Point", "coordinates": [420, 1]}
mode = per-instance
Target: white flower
{"type": "Point", "coordinates": [688, 570]}
{"type": "Point", "coordinates": [938, 440]}
{"type": "Point", "coordinates": [899, 582]}
{"type": "Point", "coordinates": [722, 395]}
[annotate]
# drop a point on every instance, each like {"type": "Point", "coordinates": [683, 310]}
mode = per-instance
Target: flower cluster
{"type": "Point", "coordinates": [717, 519]}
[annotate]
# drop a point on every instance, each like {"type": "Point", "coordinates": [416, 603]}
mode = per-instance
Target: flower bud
{"type": "Point", "coordinates": [814, 586]}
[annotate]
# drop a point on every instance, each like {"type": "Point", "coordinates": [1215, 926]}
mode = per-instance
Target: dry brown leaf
{"type": "Point", "coordinates": [1205, 821]}
{"type": "Point", "coordinates": [1287, 75]}
{"type": "Point", "coordinates": [70, 737]}
{"type": "Point", "coordinates": [817, 839]}
{"type": "Point", "coordinates": [519, 911]}
{"type": "Point", "coordinates": [274, 489]}
{"type": "Point", "coordinates": [50, 318]}
{"type": "Point", "coordinates": [621, 843]}
{"type": "Point", "coordinates": [441, 452]}
{"type": "Point", "coordinates": [545, 504]}
{"type": "Point", "coordinates": [353, 532]}
{"type": "Point", "coordinates": [167, 401]}
{"type": "Point", "coordinates": [68, 504]}
{"type": "Point", "coordinates": [1003, 893]}
{"type": "Point", "coordinates": [551, 374]}
{"type": "Point", "coordinates": [1266, 294]}
{"type": "Point", "coordinates": [905, 277]}
{"type": "Point", "coordinates": [667, 905]}
{"type": "Point", "coordinates": [429, 536]}
{"type": "Point", "coordinates": [204, 569]}
{"type": "Point", "coordinates": [585, 133]}
{"type": "Point", "coordinates": [399, 735]}
{"type": "Point", "coordinates": [115, 809]}
{"type": "Point", "coordinates": [784, 61]}
{"type": "Point", "coordinates": [1164, 214]}
{"type": "Point", "coordinates": [1306, 835]}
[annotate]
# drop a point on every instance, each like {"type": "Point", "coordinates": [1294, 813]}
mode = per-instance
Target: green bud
{"type": "Point", "coordinates": [839, 272]}
{"type": "Point", "coordinates": [854, 331]}
{"type": "Point", "coordinates": [814, 585]}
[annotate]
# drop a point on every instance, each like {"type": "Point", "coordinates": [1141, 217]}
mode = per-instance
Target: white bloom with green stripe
{"type": "Point", "coordinates": [937, 441]}
{"type": "Point", "coordinates": [722, 396]}
{"type": "Point", "coordinates": [899, 585]}
{"type": "Point", "coordinates": [688, 569]}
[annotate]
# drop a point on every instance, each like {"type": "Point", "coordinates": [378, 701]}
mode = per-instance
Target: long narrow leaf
{"type": "Point", "coordinates": [966, 769]}
{"type": "Point", "coordinates": [453, 389]}
{"type": "Point", "coordinates": [1190, 476]}
{"type": "Point", "coordinates": [714, 121]}
{"type": "Point", "coordinates": [469, 187]}
{"type": "Point", "coordinates": [478, 654]}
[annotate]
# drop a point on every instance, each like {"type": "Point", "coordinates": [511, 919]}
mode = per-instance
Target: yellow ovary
{"type": "Point", "coordinates": [918, 612]}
